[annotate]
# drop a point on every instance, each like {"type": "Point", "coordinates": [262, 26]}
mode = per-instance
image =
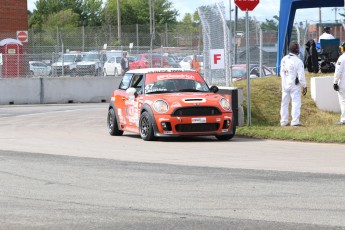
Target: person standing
{"type": "Point", "coordinates": [124, 63]}
{"type": "Point", "coordinates": [326, 34]}
{"type": "Point", "coordinates": [292, 78]}
{"type": "Point", "coordinates": [339, 83]}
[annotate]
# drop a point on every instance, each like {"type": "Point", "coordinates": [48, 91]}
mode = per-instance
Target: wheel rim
{"type": "Point", "coordinates": [144, 127]}
{"type": "Point", "coordinates": [110, 119]}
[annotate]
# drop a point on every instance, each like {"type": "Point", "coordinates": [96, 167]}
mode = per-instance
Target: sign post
{"type": "Point", "coordinates": [247, 5]}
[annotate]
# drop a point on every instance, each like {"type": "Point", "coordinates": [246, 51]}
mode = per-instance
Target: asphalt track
{"type": "Point", "coordinates": [59, 169]}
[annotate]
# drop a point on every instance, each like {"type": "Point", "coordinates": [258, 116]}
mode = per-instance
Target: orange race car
{"type": "Point", "coordinates": [164, 102]}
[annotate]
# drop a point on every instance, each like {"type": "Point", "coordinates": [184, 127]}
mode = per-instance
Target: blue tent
{"type": "Point", "coordinates": [287, 15]}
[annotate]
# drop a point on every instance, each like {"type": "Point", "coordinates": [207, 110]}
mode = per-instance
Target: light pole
{"type": "Point", "coordinates": [118, 21]}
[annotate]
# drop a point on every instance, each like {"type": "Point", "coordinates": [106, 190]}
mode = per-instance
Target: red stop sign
{"type": "Point", "coordinates": [22, 36]}
{"type": "Point", "coordinates": [245, 5]}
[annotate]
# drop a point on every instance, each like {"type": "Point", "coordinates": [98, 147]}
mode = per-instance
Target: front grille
{"type": "Point", "coordinates": [190, 128]}
{"type": "Point", "coordinates": [196, 111]}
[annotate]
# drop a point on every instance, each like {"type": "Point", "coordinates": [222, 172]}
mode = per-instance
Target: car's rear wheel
{"type": "Point", "coordinates": [146, 127]}
{"type": "Point", "coordinates": [227, 136]}
{"type": "Point", "coordinates": [113, 128]}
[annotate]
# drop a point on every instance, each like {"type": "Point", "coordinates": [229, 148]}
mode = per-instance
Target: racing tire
{"type": "Point", "coordinates": [113, 128]}
{"type": "Point", "coordinates": [146, 127]}
{"type": "Point", "coordinates": [227, 136]}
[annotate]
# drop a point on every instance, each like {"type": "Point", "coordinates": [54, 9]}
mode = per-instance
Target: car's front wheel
{"type": "Point", "coordinates": [227, 136]}
{"type": "Point", "coordinates": [146, 127]}
{"type": "Point", "coordinates": [113, 128]}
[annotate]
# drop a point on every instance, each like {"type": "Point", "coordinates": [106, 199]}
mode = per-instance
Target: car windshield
{"type": "Point", "coordinates": [175, 82]}
{"type": "Point", "coordinates": [91, 57]}
{"type": "Point", "coordinates": [67, 58]}
{"type": "Point", "coordinates": [238, 72]}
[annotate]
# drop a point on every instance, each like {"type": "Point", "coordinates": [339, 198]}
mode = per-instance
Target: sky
{"type": "Point", "coordinates": [265, 10]}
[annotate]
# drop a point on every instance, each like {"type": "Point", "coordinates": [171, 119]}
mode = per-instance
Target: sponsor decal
{"type": "Point", "coordinates": [218, 119]}
{"type": "Point", "coordinates": [224, 130]}
{"type": "Point", "coordinates": [175, 104]}
{"type": "Point", "coordinates": [175, 76]}
{"type": "Point", "coordinates": [168, 132]}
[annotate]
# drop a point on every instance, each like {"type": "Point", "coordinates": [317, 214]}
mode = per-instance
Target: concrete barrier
{"type": "Point", "coordinates": [326, 99]}
{"type": "Point", "coordinates": [20, 91]}
{"type": "Point", "coordinates": [57, 90]}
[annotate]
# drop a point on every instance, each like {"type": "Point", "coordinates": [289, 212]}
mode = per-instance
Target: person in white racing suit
{"type": "Point", "coordinates": [293, 78]}
{"type": "Point", "coordinates": [339, 83]}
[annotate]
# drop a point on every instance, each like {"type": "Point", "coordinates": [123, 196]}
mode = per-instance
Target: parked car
{"type": "Point", "coordinates": [38, 68]}
{"type": "Point", "coordinates": [145, 60]}
{"type": "Point", "coordinates": [188, 63]}
{"type": "Point", "coordinates": [239, 72]}
{"type": "Point", "coordinates": [91, 64]}
{"type": "Point", "coordinates": [69, 62]}
{"type": "Point", "coordinates": [167, 102]}
{"type": "Point", "coordinates": [112, 66]}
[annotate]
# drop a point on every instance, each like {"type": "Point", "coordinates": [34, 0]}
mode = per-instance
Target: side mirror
{"type": "Point", "coordinates": [214, 89]}
{"type": "Point", "coordinates": [131, 92]}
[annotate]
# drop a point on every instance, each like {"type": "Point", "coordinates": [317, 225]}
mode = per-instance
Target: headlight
{"type": "Point", "coordinates": [225, 104]}
{"type": "Point", "coordinates": [161, 106]}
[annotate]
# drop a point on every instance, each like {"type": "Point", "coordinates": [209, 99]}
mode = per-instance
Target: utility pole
{"type": "Point", "coordinates": [118, 21]}
{"type": "Point", "coordinates": [320, 21]}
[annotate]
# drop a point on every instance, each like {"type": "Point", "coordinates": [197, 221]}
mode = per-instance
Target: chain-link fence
{"type": "Point", "coordinates": [46, 45]}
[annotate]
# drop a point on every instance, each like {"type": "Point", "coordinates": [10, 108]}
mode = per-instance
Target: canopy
{"type": "Point", "coordinates": [287, 15]}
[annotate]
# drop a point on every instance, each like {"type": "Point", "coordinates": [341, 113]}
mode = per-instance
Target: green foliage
{"type": "Point", "coordinates": [137, 12]}
{"type": "Point", "coordinates": [62, 19]}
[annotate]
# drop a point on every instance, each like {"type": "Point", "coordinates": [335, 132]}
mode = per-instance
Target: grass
{"type": "Point", "coordinates": [318, 126]}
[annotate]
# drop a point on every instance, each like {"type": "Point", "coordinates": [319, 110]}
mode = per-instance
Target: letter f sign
{"type": "Point", "coordinates": [216, 58]}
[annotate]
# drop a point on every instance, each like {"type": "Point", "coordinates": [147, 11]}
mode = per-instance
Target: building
{"type": "Point", "coordinates": [13, 17]}
{"type": "Point", "coordinates": [315, 30]}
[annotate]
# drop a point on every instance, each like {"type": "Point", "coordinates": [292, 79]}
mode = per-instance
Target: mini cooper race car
{"type": "Point", "coordinates": [166, 102]}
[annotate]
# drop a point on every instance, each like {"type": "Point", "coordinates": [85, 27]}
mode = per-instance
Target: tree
{"type": "Point", "coordinates": [137, 12]}
{"type": "Point", "coordinates": [89, 11]}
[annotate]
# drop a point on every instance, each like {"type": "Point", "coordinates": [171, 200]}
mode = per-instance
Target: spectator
{"type": "Point", "coordinates": [292, 77]}
{"type": "Point", "coordinates": [339, 83]}
{"type": "Point", "coordinates": [124, 63]}
{"type": "Point", "coordinates": [326, 34]}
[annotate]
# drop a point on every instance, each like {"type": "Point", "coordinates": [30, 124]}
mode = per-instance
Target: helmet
{"type": "Point", "coordinates": [342, 47]}
{"type": "Point", "coordinates": [294, 47]}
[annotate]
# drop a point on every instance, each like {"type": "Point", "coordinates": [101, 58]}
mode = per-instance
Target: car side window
{"type": "Point", "coordinates": [255, 71]}
{"type": "Point", "coordinates": [126, 80]}
{"type": "Point", "coordinates": [267, 72]}
{"type": "Point", "coordinates": [137, 83]}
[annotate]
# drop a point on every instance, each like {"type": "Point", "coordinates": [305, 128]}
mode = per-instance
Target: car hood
{"type": "Point", "coordinates": [60, 63]}
{"type": "Point", "coordinates": [87, 63]}
{"type": "Point", "coordinates": [184, 99]}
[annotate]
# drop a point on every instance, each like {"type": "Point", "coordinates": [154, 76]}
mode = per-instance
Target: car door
{"type": "Point", "coordinates": [133, 103]}
{"type": "Point", "coordinates": [120, 99]}
{"type": "Point", "coordinates": [109, 66]}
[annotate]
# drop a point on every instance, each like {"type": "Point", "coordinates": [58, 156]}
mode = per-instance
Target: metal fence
{"type": "Point", "coordinates": [45, 45]}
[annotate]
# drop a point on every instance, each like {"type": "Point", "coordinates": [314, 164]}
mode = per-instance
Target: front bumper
{"type": "Point", "coordinates": [168, 125]}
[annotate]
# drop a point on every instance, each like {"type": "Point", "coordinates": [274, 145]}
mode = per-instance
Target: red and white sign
{"type": "Point", "coordinates": [22, 35]}
{"type": "Point", "coordinates": [245, 5]}
{"type": "Point", "coordinates": [217, 59]}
